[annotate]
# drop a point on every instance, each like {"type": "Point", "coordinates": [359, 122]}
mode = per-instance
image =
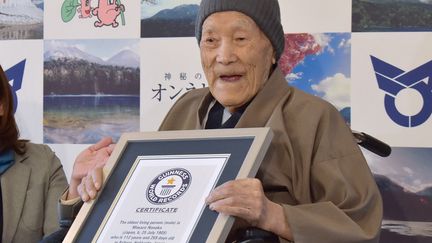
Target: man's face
{"type": "Point", "coordinates": [236, 57]}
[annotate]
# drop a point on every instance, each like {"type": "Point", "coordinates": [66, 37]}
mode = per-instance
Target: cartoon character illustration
{"type": "Point", "coordinates": [85, 9]}
{"type": "Point", "coordinates": [107, 12]}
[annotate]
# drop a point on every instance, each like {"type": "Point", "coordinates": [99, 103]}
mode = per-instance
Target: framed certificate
{"type": "Point", "coordinates": [156, 184]}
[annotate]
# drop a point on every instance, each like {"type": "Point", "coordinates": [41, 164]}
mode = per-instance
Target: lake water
{"type": "Point", "coordinates": [85, 119]}
{"type": "Point", "coordinates": [393, 231]}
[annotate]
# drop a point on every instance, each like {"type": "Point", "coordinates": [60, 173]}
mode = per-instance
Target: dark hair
{"type": "Point", "coordinates": [8, 129]}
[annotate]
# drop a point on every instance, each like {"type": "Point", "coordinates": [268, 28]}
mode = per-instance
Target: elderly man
{"type": "Point", "coordinates": [314, 184]}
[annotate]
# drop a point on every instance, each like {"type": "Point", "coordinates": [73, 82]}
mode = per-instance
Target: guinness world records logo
{"type": "Point", "coordinates": [168, 186]}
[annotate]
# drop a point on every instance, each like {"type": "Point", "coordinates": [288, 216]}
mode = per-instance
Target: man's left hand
{"type": "Point", "coordinates": [245, 198]}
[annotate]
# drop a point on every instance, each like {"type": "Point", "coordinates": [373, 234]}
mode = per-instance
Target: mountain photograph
{"type": "Point", "coordinates": [405, 184]}
{"type": "Point", "coordinates": [68, 70]}
{"type": "Point", "coordinates": [162, 19]}
{"type": "Point", "coordinates": [90, 90]}
{"type": "Point", "coordinates": [391, 15]}
{"type": "Point", "coordinates": [21, 19]}
{"type": "Point", "coordinates": [407, 215]}
{"type": "Point", "coordinates": [397, 200]}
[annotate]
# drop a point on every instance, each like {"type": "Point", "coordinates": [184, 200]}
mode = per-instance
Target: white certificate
{"type": "Point", "coordinates": [156, 184]}
{"type": "Point", "coordinates": [163, 198]}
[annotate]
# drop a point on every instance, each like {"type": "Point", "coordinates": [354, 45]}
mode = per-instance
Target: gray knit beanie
{"type": "Point", "coordinates": [265, 13]}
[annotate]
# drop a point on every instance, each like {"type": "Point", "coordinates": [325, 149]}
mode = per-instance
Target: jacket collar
{"type": "Point", "coordinates": [203, 109]}
{"type": "Point", "coordinates": [14, 183]}
{"type": "Point", "coordinates": [260, 108]}
{"type": "Point", "coordinates": [264, 103]}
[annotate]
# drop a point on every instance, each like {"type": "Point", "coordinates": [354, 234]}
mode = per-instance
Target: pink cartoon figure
{"type": "Point", "coordinates": [107, 12]}
{"type": "Point", "coordinates": [85, 9]}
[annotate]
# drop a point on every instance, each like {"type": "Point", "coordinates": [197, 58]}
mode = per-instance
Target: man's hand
{"type": "Point", "coordinates": [93, 157]}
{"type": "Point", "coordinates": [245, 198]}
{"type": "Point", "coordinates": [91, 184]}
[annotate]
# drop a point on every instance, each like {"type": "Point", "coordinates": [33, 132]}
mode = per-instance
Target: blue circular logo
{"type": "Point", "coordinates": [393, 80]}
{"type": "Point", "coordinates": [422, 116]}
{"type": "Point", "coordinates": [168, 186]}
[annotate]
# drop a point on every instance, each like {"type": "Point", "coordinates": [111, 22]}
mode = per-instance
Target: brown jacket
{"type": "Point", "coordinates": [31, 189]}
{"type": "Point", "coordinates": [313, 167]}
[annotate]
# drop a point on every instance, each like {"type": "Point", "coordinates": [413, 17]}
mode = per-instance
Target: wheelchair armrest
{"type": "Point", "coordinates": [256, 235]}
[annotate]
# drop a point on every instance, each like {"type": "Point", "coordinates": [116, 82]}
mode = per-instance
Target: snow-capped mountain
{"type": "Point", "coordinates": [71, 53]}
{"type": "Point", "coordinates": [20, 12]}
{"type": "Point", "coordinates": [126, 58]}
{"type": "Point", "coordinates": [185, 11]}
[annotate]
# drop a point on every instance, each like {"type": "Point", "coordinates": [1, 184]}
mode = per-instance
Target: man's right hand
{"type": "Point", "coordinates": [91, 184]}
{"type": "Point", "coordinates": [87, 162]}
